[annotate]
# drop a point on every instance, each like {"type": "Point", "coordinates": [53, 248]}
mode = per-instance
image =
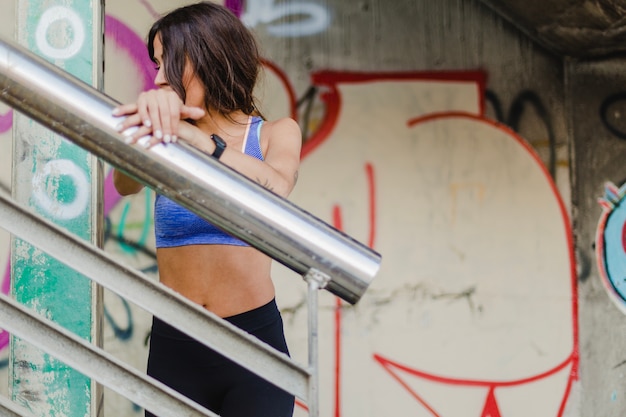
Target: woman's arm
{"type": "Point", "coordinates": [157, 113]}
{"type": "Point", "coordinates": [278, 172]}
{"type": "Point", "coordinates": [142, 114]}
{"type": "Point", "coordinates": [281, 140]}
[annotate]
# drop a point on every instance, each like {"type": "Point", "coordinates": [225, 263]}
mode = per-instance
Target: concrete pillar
{"type": "Point", "coordinates": [61, 182]}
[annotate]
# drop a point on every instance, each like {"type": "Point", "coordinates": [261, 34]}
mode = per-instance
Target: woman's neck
{"type": "Point", "coordinates": [227, 127]}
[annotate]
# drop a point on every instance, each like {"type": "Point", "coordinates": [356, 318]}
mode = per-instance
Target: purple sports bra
{"type": "Point", "coordinates": [174, 225]}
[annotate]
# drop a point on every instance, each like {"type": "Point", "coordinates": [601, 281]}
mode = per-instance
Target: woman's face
{"type": "Point", "coordinates": [192, 85]}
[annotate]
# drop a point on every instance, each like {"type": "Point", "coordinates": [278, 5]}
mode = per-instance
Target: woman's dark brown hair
{"type": "Point", "coordinates": [221, 50]}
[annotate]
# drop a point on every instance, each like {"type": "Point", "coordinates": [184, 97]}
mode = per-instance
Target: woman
{"type": "Point", "coordinates": [207, 65]}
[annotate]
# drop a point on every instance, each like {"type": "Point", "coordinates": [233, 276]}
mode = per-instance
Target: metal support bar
{"type": "Point", "coordinates": [95, 363]}
{"type": "Point", "coordinates": [315, 280]}
{"type": "Point", "coordinates": [9, 409]}
{"type": "Point", "coordinates": [154, 297]}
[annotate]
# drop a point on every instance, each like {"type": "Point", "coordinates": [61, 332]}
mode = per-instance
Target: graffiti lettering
{"type": "Point", "coordinates": [265, 11]}
{"type": "Point", "coordinates": [612, 115]}
{"type": "Point", "coordinates": [120, 333]}
{"type": "Point", "coordinates": [514, 117]}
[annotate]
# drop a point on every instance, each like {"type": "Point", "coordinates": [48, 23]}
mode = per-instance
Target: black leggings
{"type": "Point", "coordinates": [211, 379]}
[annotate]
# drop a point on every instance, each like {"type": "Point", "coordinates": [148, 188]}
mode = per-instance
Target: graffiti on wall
{"type": "Point", "coordinates": [523, 103]}
{"type": "Point", "coordinates": [6, 121]}
{"type": "Point", "coordinates": [312, 18]}
{"type": "Point", "coordinates": [611, 244]}
{"type": "Point", "coordinates": [442, 173]}
{"type": "Point", "coordinates": [611, 111]}
{"type": "Point", "coordinates": [610, 239]}
{"type": "Point", "coordinates": [464, 211]}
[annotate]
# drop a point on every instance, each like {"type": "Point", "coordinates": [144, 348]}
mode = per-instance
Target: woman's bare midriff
{"type": "Point", "coordinates": [224, 279]}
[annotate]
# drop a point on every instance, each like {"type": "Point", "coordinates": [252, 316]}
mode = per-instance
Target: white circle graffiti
{"type": "Point", "coordinates": [312, 18]}
{"type": "Point", "coordinates": [57, 209]}
{"type": "Point", "coordinates": [54, 14]}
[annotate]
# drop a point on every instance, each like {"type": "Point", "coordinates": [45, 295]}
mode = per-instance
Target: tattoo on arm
{"type": "Point", "coordinates": [265, 184]}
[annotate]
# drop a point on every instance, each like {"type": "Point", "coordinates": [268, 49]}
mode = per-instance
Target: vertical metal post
{"type": "Point", "coordinates": [61, 182]}
{"type": "Point", "coordinates": [316, 280]}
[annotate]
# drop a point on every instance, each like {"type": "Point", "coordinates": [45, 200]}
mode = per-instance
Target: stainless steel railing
{"type": "Point", "coordinates": [152, 296]}
{"type": "Point", "coordinates": [324, 256]}
{"type": "Point", "coordinates": [272, 224]}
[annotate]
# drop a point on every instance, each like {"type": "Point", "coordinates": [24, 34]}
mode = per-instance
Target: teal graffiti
{"type": "Point", "coordinates": [146, 225]}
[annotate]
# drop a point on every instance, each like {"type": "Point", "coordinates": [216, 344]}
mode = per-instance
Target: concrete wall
{"type": "Point", "coordinates": [437, 135]}
{"type": "Point", "coordinates": [7, 27]}
{"type": "Point", "coordinates": [596, 93]}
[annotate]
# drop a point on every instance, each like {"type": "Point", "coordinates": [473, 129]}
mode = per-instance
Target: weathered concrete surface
{"type": "Point", "coordinates": [573, 28]}
{"type": "Point", "coordinates": [598, 157]}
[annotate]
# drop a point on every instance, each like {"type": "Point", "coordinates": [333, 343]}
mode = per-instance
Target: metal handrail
{"type": "Point", "coordinates": [95, 363]}
{"type": "Point", "coordinates": [10, 409]}
{"type": "Point", "coordinates": [212, 190]}
{"type": "Point", "coordinates": [154, 297]}
{"type": "Point", "coordinates": [231, 201]}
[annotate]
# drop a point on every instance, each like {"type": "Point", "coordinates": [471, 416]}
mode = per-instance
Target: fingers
{"type": "Point", "coordinates": [164, 112]}
{"type": "Point", "coordinates": [133, 119]}
{"type": "Point", "coordinates": [149, 113]}
{"type": "Point", "coordinates": [124, 109]}
{"type": "Point", "coordinates": [170, 115]}
{"type": "Point", "coordinates": [193, 113]}
{"type": "Point", "coordinates": [156, 112]}
{"type": "Point", "coordinates": [128, 122]}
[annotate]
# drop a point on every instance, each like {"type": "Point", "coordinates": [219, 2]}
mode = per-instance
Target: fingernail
{"type": "Point", "coordinates": [115, 111]}
{"type": "Point", "coordinates": [174, 138]}
{"type": "Point", "coordinates": [119, 127]}
{"type": "Point", "coordinates": [128, 140]}
{"type": "Point", "coordinates": [147, 123]}
{"type": "Point", "coordinates": [167, 138]}
{"type": "Point", "coordinates": [158, 134]}
{"type": "Point", "coordinates": [146, 144]}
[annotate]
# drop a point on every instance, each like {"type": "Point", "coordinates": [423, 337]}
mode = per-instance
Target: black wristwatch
{"type": "Point", "coordinates": [220, 145]}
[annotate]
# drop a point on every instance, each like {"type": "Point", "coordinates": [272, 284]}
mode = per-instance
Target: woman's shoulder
{"type": "Point", "coordinates": [285, 126]}
{"type": "Point", "coordinates": [281, 134]}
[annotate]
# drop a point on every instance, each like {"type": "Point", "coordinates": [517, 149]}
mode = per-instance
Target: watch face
{"type": "Point", "coordinates": [218, 141]}
{"type": "Point", "coordinates": [220, 145]}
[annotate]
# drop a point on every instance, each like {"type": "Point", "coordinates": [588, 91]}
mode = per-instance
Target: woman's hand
{"type": "Point", "coordinates": [156, 112]}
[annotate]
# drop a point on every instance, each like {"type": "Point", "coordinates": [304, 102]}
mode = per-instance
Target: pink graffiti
{"type": "Point", "coordinates": [6, 121]}
{"type": "Point", "coordinates": [128, 41]}
{"type": "Point", "coordinates": [150, 9]}
{"type": "Point", "coordinates": [236, 6]}
{"type": "Point", "coordinates": [4, 336]}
